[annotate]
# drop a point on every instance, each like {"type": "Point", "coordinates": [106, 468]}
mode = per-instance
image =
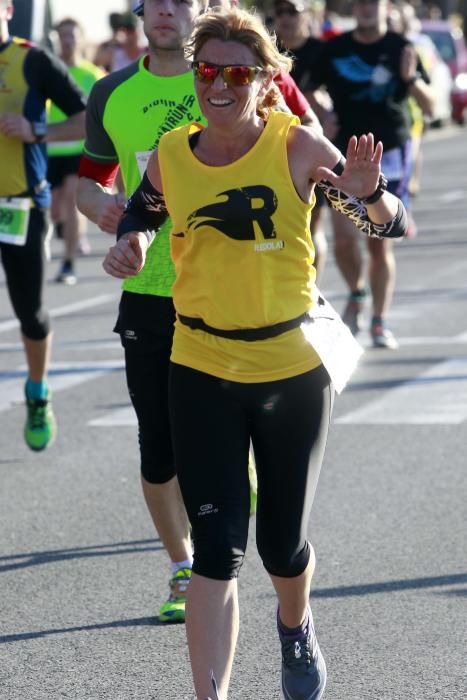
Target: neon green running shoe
{"type": "Point", "coordinates": [40, 428]}
{"type": "Point", "coordinates": [174, 609]}
{"type": "Point", "coordinates": [253, 484]}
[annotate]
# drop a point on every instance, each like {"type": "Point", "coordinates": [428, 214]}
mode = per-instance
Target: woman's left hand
{"type": "Point", "coordinates": [362, 168]}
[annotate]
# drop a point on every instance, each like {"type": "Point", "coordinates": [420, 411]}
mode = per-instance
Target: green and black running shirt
{"type": "Point", "coordinates": [128, 112]}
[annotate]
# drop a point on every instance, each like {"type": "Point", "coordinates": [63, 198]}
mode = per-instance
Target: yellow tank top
{"type": "Point", "coordinates": [243, 255]}
{"type": "Point", "coordinates": [14, 90]}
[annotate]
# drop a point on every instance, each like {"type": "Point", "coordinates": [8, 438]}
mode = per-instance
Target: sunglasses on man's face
{"type": "Point", "coordinates": [289, 11]}
{"type": "Point", "coordinates": [235, 75]}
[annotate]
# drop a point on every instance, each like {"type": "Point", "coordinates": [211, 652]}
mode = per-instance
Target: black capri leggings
{"type": "Point", "coordinates": [147, 373]}
{"type": "Point", "coordinates": [25, 274]}
{"type": "Point", "coordinates": [145, 325]}
{"type": "Point", "coordinates": [213, 421]}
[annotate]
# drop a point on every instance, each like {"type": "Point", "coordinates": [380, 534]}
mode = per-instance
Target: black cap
{"type": "Point", "coordinates": [115, 20]}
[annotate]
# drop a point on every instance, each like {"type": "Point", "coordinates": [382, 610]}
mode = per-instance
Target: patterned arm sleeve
{"type": "Point", "coordinates": [354, 209]}
{"type": "Point", "coordinates": [145, 211]}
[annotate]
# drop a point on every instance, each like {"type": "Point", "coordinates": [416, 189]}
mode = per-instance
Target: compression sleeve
{"type": "Point", "coordinates": [145, 211]}
{"type": "Point", "coordinates": [354, 209]}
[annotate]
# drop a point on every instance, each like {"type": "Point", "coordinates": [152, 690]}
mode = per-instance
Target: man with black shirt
{"type": "Point", "coordinates": [292, 26]}
{"type": "Point", "coordinates": [369, 73]}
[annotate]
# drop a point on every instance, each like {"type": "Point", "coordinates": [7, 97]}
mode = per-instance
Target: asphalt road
{"type": "Point", "coordinates": [82, 572]}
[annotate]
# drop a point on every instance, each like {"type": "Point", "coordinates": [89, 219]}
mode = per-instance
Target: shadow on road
{"type": "Point", "coordinates": [338, 592]}
{"type": "Point", "coordinates": [23, 561]}
{"type": "Point", "coordinates": [136, 622]}
{"type": "Point", "coordinates": [392, 586]}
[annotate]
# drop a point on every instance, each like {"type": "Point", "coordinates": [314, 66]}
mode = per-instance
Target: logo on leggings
{"type": "Point", "coordinates": [207, 509]}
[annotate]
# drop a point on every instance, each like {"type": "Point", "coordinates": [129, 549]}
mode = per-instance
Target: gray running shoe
{"type": "Point", "coordinates": [303, 667]}
{"type": "Point", "coordinates": [382, 337]}
{"type": "Point", "coordinates": [352, 314]}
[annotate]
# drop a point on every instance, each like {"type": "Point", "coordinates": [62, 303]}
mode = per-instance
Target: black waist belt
{"type": "Point", "coordinates": [249, 334]}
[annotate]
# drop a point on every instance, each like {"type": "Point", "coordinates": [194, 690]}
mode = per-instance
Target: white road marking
{"type": "Point", "coordinates": [434, 340]}
{"type": "Point", "coordinates": [437, 396]}
{"type": "Point", "coordinates": [123, 416]}
{"type": "Point", "coordinates": [67, 309]}
{"type": "Point", "coordinates": [69, 345]}
{"type": "Point", "coordinates": [438, 226]}
{"type": "Point", "coordinates": [62, 375]}
{"type": "Point", "coordinates": [452, 196]}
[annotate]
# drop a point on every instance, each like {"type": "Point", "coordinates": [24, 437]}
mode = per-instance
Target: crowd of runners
{"type": "Point", "coordinates": [219, 302]}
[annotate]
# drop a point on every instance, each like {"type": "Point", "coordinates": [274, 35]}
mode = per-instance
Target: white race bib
{"type": "Point", "coordinates": [14, 219]}
{"type": "Point", "coordinates": [392, 164]}
{"type": "Point", "coordinates": [332, 340]}
{"type": "Point", "coordinates": [142, 158]}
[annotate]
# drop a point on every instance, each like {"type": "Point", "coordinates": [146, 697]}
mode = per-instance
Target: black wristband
{"type": "Point", "coordinates": [379, 191]}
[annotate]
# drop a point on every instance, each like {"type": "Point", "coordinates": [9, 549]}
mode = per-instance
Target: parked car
{"type": "Point", "coordinates": [450, 43]}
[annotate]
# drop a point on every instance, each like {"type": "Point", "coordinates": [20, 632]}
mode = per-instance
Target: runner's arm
{"type": "Point", "coordinates": [53, 80]}
{"type": "Point", "coordinates": [145, 211]}
{"type": "Point", "coordinates": [99, 164]}
{"type": "Point", "coordinates": [415, 77]}
{"type": "Point", "coordinates": [359, 212]}
{"type": "Point", "coordinates": [94, 197]}
{"type": "Point", "coordinates": [144, 214]}
{"type": "Point", "coordinates": [355, 186]}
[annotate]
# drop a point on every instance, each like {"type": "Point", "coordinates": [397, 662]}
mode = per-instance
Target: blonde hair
{"type": "Point", "coordinates": [248, 29]}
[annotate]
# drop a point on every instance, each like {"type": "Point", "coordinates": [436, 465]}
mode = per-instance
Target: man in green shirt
{"type": "Point", "coordinates": [64, 156]}
{"type": "Point", "coordinates": [128, 111]}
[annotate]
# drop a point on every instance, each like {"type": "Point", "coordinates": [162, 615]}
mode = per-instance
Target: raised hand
{"type": "Point", "coordinates": [362, 167]}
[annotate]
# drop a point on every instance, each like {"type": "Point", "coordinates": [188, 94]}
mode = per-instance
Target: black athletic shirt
{"type": "Point", "coordinates": [305, 56]}
{"type": "Point", "coordinates": [363, 81]}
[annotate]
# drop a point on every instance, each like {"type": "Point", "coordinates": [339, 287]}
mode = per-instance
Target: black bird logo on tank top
{"type": "Point", "coordinates": [236, 214]}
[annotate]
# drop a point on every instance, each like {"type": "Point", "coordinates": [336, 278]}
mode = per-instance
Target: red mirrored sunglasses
{"type": "Point", "coordinates": [233, 75]}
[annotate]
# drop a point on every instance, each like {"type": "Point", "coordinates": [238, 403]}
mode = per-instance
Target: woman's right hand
{"type": "Point", "coordinates": [127, 257]}
{"type": "Point", "coordinates": [111, 212]}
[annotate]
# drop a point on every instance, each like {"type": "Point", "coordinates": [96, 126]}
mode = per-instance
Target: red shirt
{"type": "Point", "coordinates": [293, 96]}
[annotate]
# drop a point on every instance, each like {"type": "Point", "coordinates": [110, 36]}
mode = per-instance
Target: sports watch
{"type": "Point", "coordinates": [379, 191]}
{"type": "Point", "coordinates": [39, 129]}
